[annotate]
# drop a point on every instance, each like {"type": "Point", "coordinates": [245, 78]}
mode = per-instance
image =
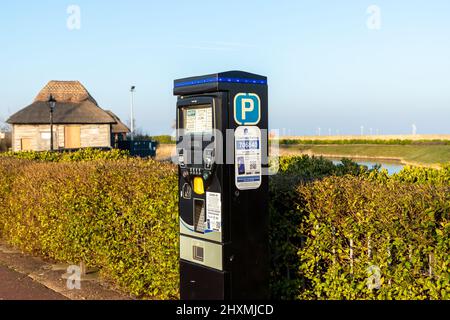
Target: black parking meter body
{"type": "Point", "coordinates": [224, 251]}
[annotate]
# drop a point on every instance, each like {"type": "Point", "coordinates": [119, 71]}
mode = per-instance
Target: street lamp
{"type": "Point", "coordinates": [132, 90]}
{"type": "Point", "coordinates": [51, 105]}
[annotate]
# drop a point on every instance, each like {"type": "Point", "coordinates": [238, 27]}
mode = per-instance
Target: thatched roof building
{"type": "Point", "coordinates": [119, 126]}
{"type": "Point", "coordinates": [74, 105]}
{"type": "Point", "coordinates": [79, 122]}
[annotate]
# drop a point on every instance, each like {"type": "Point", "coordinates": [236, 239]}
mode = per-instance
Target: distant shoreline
{"type": "Point", "coordinates": [419, 156]}
{"type": "Point", "coordinates": [368, 158]}
{"type": "Point", "coordinates": [348, 152]}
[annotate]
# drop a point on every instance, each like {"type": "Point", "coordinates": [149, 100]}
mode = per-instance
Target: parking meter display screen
{"type": "Point", "coordinates": [198, 120]}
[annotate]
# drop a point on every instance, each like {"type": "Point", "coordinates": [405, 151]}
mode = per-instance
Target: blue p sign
{"type": "Point", "coordinates": [247, 109]}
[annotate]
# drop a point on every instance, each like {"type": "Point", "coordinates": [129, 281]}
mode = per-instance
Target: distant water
{"type": "Point", "coordinates": [391, 166]}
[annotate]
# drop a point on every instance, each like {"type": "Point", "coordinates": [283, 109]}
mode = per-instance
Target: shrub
{"type": "Point", "coordinates": [351, 224]}
{"type": "Point", "coordinates": [284, 200]}
{"type": "Point", "coordinates": [119, 215]}
{"type": "Point", "coordinates": [313, 202]}
{"type": "Point", "coordinates": [81, 155]}
{"type": "Point", "coordinates": [163, 139]}
{"type": "Point", "coordinates": [424, 175]}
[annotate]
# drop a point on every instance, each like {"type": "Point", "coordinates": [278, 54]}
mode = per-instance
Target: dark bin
{"type": "Point", "coordinates": [143, 149]}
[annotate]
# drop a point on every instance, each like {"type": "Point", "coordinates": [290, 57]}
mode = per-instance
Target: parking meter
{"type": "Point", "coordinates": [222, 152]}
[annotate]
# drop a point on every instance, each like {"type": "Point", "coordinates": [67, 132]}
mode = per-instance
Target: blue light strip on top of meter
{"type": "Point", "coordinates": [219, 80]}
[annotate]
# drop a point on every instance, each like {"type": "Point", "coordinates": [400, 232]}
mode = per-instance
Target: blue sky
{"type": "Point", "coordinates": [326, 68]}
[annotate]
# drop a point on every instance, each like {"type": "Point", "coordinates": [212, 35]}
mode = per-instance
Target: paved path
{"type": "Point", "coordinates": [25, 277]}
{"type": "Point", "coordinates": [17, 286]}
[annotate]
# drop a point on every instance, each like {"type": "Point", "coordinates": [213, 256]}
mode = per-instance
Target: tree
{"type": "Point", "coordinates": [5, 139]}
{"type": "Point", "coordinates": [4, 127]}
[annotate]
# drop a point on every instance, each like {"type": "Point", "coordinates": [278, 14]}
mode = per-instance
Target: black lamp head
{"type": "Point", "coordinates": [51, 101]}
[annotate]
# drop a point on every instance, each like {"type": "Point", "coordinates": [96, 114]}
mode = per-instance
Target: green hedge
{"type": "Point", "coordinates": [363, 141]}
{"type": "Point", "coordinates": [119, 215]}
{"type": "Point", "coordinates": [81, 155]}
{"type": "Point", "coordinates": [164, 139]}
{"type": "Point", "coordinates": [402, 220]}
{"type": "Point", "coordinates": [285, 239]}
{"type": "Point", "coordinates": [420, 175]}
{"type": "Point", "coordinates": [400, 228]}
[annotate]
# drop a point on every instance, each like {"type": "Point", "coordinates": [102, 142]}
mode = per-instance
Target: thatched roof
{"type": "Point", "coordinates": [65, 91]}
{"type": "Point", "coordinates": [119, 127]}
{"type": "Point", "coordinates": [74, 105]}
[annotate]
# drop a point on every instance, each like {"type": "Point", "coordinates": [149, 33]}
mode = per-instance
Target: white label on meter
{"type": "Point", "coordinates": [213, 212]}
{"type": "Point", "coordinates": [199, 120]}
{"type": "Point", "coordinates": [248, 157]}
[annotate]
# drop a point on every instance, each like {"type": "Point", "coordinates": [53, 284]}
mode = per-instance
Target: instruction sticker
{"type": "Point", "coordinates": [214, 212]}
{"type": "Point", "coordinates": [199, 120]}
{"type": "Point", "coordinates": [248, 158]}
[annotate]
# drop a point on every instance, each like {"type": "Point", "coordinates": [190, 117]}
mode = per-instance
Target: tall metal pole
{"type": "Point", "coordinates": [52, 103]}
{"type": "Point", "coordinates": [132, 112]}
{"type": "Point", "coordinates": [51, 130]}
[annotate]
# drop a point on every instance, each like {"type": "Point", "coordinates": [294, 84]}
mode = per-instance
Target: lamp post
{"type": "Point", "coordinates": [51, 105]}
{"type": "Point", "coordinates": [132, 90]}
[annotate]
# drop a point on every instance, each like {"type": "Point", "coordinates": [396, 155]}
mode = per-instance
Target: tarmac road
{"type": "Point", "coordinates": [16, 286]}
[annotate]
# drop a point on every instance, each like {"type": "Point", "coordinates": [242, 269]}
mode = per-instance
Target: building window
{"type": "Point", "coordinates": [45, 135]}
